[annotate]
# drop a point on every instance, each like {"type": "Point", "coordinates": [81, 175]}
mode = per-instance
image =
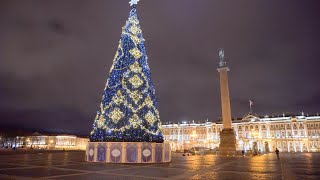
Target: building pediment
{"type": "Point", "coordinates": [250, 118]}
{"type": "Point", "coordinates": [36, 134]}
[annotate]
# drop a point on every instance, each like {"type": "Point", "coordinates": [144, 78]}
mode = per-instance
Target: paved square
{"type": "Point", "coordinates": [71, 165]}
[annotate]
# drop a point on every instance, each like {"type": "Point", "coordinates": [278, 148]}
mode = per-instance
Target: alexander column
{"type": "Point", "coordinates": [227, 135]}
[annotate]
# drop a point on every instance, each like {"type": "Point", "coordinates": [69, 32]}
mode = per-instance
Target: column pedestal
{"type": "Point", "coordinates": [227, 142]}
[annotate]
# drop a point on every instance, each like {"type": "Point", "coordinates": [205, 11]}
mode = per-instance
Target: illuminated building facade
{"type": "Point", "coordinates": [288, 134]}
{"type": "Point", "coordinates": [40, 141]}
{"type": "Point", "coordinates": [68, 142]}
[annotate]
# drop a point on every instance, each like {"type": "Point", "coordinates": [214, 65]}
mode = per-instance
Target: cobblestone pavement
{"type": "Point", "coordinates": [71, 165]}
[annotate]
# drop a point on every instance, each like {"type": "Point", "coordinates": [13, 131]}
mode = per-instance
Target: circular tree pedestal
{"type": "Point", "coordinates": [128, 152]}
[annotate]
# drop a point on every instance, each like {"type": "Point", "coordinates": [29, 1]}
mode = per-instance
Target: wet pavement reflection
{"type": "Point", "coordinates": [71, 165]}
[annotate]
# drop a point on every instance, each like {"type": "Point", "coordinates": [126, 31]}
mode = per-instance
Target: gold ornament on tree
{"type": "Point", "coordinates": [135, 67]}
{"type": "Point", "coordinates": [135, 52]}
{"type": "Point", "coordinates": [135, 39]}
{"type": "Point", "coordinates": [135, 30]}
{"type": "Point", "coordinates": [101, 121]}
{"type": "Point", "coordinates": [135, 96]}
{"type": "Point", "coordinates": [119, 98]}
{"type": "Point", "coordinates": [148, 102]}
{"type": "Point", "coordinates": [150, 118]}
{"type": "Point", "coordinates": [136, 81]}
{"type": "Point", "coordinates": [116, 115]}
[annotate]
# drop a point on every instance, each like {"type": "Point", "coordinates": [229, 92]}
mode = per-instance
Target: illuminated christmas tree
{"type": "Point", "coordinates": [128, 111]}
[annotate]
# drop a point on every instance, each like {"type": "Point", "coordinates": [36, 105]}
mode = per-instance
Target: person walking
{"type": "Point", "coordinates": [242, 153]}
{"type": "Point", "coordinates": [277, 152]}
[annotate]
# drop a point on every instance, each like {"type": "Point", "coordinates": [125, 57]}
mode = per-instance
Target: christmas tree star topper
{"type": "Point", "coordinates": [133, 2]}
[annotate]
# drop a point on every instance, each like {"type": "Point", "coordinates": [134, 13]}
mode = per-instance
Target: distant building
{"type": "Point", "coordinates": [253, 133]}
{"type": "Point", "coordinates": [42, 141]}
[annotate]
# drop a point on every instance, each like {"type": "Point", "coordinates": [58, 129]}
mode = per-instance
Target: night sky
{"type": "Point", "coordinates": [55, 57]}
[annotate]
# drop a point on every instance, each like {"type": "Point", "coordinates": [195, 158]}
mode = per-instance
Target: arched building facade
{"type": "Point", "coordinates": [288, 134]}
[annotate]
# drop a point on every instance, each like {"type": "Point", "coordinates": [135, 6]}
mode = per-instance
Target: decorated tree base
{"type": "Point", "coordinates": [128, 152]}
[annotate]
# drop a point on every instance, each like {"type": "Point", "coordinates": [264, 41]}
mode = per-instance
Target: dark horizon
{"type": "Point", "coordinates": [55, 57]}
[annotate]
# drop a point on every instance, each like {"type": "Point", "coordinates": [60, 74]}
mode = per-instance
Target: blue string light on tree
{"type": "Point", "coordinates": [128, 111]}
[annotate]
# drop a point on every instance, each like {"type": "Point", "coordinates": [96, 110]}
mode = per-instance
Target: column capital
{"type": "Point", "coordinates": [223, 69]}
